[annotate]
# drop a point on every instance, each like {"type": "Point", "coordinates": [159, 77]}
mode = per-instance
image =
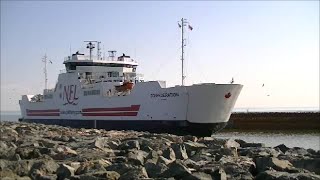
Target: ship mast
{"type": "Point", "coordinates": [91, 46]}
{"type": "Point", "coordinates": [98, 50]}
{"type": "Point", "coordinates": [45, 60]}
{"type": "Point", "coordinates": [182, 24]}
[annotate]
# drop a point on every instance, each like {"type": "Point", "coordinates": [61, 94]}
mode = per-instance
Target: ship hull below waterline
{"type": "Point", "coordinates": [154, 126]}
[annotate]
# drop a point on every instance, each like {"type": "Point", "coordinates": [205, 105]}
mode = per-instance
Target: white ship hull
{"type": "Point", "coordinates": [199, 109]}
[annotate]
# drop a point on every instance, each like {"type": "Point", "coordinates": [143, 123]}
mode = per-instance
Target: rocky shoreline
{"type": "Point", "coordinates": [47, 152]}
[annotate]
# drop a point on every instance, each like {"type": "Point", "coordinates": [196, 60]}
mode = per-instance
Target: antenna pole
{"type": "Point", "coordinates": [91, 46]}
{"type": "Point", "coordinates": [70, 52]}
{"type": "Point", "coordinates": [98, 50]}
{"type": "Point", "coordinates": [44, 60]}
{"type": "Point", "coordinates": [183, 24]}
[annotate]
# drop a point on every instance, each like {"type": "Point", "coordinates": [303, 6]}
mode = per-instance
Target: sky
{"type": "Point", "coordinates": [271, 43]}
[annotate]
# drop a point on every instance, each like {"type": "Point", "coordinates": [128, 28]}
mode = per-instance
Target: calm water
{"type": "Point", "coordinates": [306, 140]}
{"type": "Point", "coordinates": [10, 116]}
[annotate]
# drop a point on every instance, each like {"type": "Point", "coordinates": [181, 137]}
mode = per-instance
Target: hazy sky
{"type": "Point", "coordinates": [271, 43]}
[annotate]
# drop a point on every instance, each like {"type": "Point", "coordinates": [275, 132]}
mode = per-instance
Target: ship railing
{"type": "Point", "coordinates": [81, 57]}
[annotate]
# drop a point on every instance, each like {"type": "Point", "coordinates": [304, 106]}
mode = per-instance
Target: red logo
{"type": "Point", "coordinates": [69, 94]}
{"type": "Point", "coordinates": [227, 95]}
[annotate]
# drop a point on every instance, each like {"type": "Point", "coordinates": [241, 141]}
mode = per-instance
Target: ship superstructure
{"type": "Point", "coordinates": [107, 92]}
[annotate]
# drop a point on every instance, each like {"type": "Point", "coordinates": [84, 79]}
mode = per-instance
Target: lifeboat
{"type": "Point", "coordinates": [125, 86]}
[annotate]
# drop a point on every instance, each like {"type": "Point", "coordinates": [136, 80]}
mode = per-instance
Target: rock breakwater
{"type": "Point", "coordinates": [36, 151]}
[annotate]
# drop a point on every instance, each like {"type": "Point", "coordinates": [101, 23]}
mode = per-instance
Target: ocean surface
{"type": "Point", "coordinates": [271, 139]}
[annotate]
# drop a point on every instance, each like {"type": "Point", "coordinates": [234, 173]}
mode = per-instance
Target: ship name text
{"type": "Point", "coordinates": [164, 95]}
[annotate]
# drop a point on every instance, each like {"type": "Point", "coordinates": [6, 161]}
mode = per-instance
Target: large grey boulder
{"type": "Point", "coordinates": [65, 171]}
{"type": "Point", "coordinates": [258, 152]}
{"type": "Point", "coordinates": [198, 176]}
{"type": "Point", "coordinates": [47, 177]}
{"type": "Point", "coordinates": [190, 138]}
{"type": "Point", "coordinates": [100, 142]}
{"type": "Point", "coordinates": [177, 170]}
{"type": "Point", "coordinates": [21, 168]}
{"type": "Point", "coordinates": [136, 157]}
{"type": "Point", "coordinates": [238, 168]}
{"type": "Point", "coordinates": [8, 134]}
{"type": "Point", "coordinates": [212, 143]}
{"type": "Point", "coordinates": [130, 144]}
{"type": "Point", "coordinates": [283, 148]}
{"type": "Point", "coordinates": [155, 170]}
{"type": "Point", "coordinates": [28, 152]}
{"type": "Point", "coordinates": [7, 173]}
{"type": "Point", "coordinates": [6, 152]}
{"type": "Point", "coordinates": [310, 164]}
{"type": "Point", "coordinates": [136, 173]}
{"type": "Point", "coordinates": [152, 156]}
{"type": "Point", "coordinates": [120, 168]}
{"type": "Point", "coordinates": [264, 163]}
{"type": "Point", "coordinates": [193, 147]}
{"type": "Point", "coordinates": [43, 167]}
{"type": "Point", "coordinates": [203, 155]}
{"type": "Point", "coordinates": [275, 175]}
{"type": "Point", "coordinates": [230, 143]}
{"type": "Point", "coordinates": [108, 175]}
{"type": "Point", "coordinates": [169, 154]}
{"type": "Point", "coordinates": [297, 151]}
{"type": "Point", "coordinates": [90, 167]}
{"type": "Point", "coordinates": [164, 160]}
{"type": "Point", "coordinates": [180, 151]}
{"type": "Point", "coordinates": [219, 174]}
{"type": "Point", "coordinates": [113, 144]}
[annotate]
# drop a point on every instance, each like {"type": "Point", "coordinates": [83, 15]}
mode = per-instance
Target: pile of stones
{"type": "Point", "coordinates": [48, 152]}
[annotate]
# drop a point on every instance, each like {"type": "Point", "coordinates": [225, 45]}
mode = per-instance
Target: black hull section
{"type": "Point", "coordinates": [154, 126]}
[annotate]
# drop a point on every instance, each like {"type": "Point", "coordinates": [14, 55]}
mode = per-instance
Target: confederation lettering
{"type": "Point", "coordinates": [164, 95]}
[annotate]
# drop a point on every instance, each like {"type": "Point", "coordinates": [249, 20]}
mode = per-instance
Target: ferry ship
{"type": "Point", "coordinates": [108, 93]}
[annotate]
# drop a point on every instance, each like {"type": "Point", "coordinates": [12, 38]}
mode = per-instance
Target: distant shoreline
{"type": "Point", "coordinates": [260, 121]}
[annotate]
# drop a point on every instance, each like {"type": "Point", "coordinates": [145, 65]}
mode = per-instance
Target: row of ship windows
{"type": "Point", "coordinates": [48, 96]}
{"type": "Point", "coordinates": [92, 92]}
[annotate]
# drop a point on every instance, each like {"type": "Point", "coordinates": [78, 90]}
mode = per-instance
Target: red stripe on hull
{"type": "Point", "coordinates": [39, 111]}
{"type": "Point", "coordinates": [111, 114]}
{"type": "Point", "coordinates": [131, 108]}
{"type": "Point", "coordinates": [43, 114]}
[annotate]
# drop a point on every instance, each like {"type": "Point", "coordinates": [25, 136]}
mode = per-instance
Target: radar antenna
{"type": "Point", "coordinates": [182, 24]}
{"type": "Point", "coordinates": [112, 54]}
{"type": "Point", "coordinates": [91, 46]}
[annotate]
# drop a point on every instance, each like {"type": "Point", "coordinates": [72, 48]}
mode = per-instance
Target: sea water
{"type": "Point", "coordinates": [272, 139]}
{"type": "Point", "coordinates": [12, 116]}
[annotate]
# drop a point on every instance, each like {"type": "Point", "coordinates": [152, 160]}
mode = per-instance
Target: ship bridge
{"type": "Point", "coordinates": [97, 68]}
{"type": "Point", "coordinates": [78, 60]}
